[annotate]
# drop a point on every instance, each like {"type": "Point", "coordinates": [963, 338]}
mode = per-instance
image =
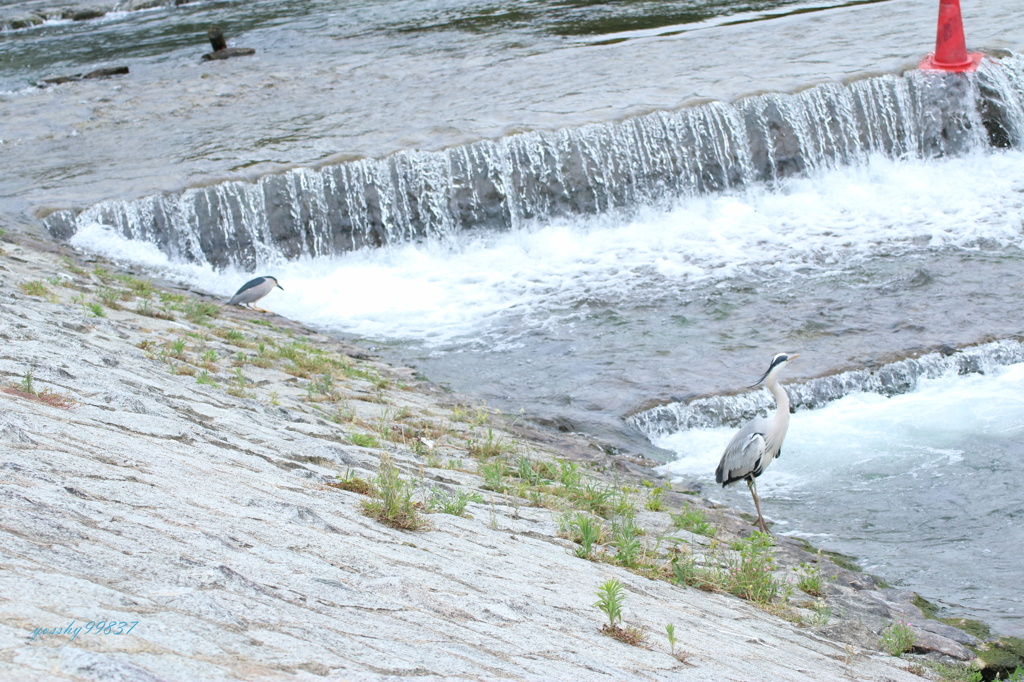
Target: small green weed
{"type": "Point", "coordinates": [171, 298]}
{"type": "Point", "coordinates": [145, 307]}
{"type": "Point", "coordinates": [656, 499]}
{"type": "Point", "coordinates": [530, 472]}
{"type": "Point", "coordinates": [684, 569]}
{"type": "Point", "coordinates": [393, 504]}
{"type": "Point", "coordinates": [626, 540]}
{"type": "Point", "coordinates": [955, 673]}
{"type": "Point", "coordinates": [822, 613]}
{"type": "Point", "coordinates": [353, 483]}
{"type": "Point", "coordinates": [678, 654]}
{"type": "Point", "coordinates": [587, 531]}
{"type": "Point", "coordinates": [493, 474]}
{"type": "Point", "coordinates": [28, 383]}
{"type": "Point", "coordinates": [176, 348]}
{"type": "Point", "coordinates": [198, 312]}
{"type": "Point", "coordinates": [184, 368]}
{"type": "Point", "coordinates": [897, 638]}
{"type": "Point", "coordinates": [27, 389]}
{"type": "Point", "coordinates": [477, 416]}
{"type": "Point", "coordinates": [386, 428]}
{"type": "Point", "coordinates": [670, 631]}
{"type": "Point", "coordinates": [569, 475]}
{"type": "Point", "coordinates": [343, 413]}
{"type": "Point", "coordinates": [34, 288]}
{"type": "Point", "coordinates": [110, 297]}
{"type": "Point", "coordinates": [809, 579]}
{"type": "Point", "coordinates": [453, 503]}
{"type": "Point", "coordinates": [694, 520]}
{"type": "Point", "coordinates": [750, 575]}
{"type": "Point", "coordinates": [138, 287]}
{"type": "Point", "coordinates": [489, 447]}
{"type": "Point", "coordinates": [624, 502]}
{"type": "Point", "coordinates": [363, 440]}
{"type": "Point", "coordinates": [593, 496]}
{"type": "Point", "coordinates": [610, 597]}
{"type": "Point", "coordinates": [321, 388]}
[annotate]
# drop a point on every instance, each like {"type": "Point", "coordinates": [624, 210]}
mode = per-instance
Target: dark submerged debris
{"type": "Point", "coordinates": [220, 46]}
{"type": "Point", "coordinates": [98, 73]}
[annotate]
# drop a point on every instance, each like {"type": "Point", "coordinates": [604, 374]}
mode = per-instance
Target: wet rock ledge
{"type": "Point", "coordinates": [22, 15]}
{"type": "Point", "coordinates": [217, 484]}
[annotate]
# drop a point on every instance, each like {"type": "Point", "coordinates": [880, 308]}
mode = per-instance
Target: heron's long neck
{"type": "Point", "coordinates": [780, 423]}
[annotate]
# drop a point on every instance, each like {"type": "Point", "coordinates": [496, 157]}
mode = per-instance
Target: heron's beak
{"type": "Point", "coordinates": [794, 356]}
{"type": "Point", "coordinates": [280, 287]}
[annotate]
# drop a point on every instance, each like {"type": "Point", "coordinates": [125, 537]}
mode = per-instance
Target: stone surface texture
{"type": "Point", "coordinates": [208, 519]}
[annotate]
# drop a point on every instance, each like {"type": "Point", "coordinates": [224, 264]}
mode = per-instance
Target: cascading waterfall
{"type": "Point", "coordinates": [597, 168]}
{"type": "Point", "coordinates": [889, 380]}
{"type": "Point", "coordinates": [1002, 102]}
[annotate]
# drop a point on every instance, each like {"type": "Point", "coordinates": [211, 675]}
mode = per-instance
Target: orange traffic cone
{"type": "Point", "coordinates": [950, 48]}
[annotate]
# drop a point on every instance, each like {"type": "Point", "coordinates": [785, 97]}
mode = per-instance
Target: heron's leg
{"type": "Point", "coordinates": [757, 504]}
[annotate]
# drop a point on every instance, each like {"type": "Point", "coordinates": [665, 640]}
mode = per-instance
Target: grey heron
{"type": "Point", "coordinates": [254, 290]}
{"type": "Point", "coordinates": [755, 445]}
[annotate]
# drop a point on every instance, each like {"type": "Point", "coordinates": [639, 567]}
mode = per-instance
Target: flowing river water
{"type": "Point", "coordinates": [605, 217]}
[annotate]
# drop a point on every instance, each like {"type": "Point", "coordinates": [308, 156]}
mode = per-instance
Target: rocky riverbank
{"type": "Point", "coordinates": [235, 492]}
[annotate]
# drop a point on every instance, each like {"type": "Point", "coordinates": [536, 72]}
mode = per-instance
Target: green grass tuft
{"type": "Point", "coordinates": [363, 440]}
{"type": "Point", "coordinates": [34, 288]}
{"type": "Point", "coordinates": [393, 503]}
{"type": "Point", "coordinates": [897, 638]}
{"type": "Point", "coordinates": [694, 520]}
{"type": "Point", "coordinates": [454, 503]}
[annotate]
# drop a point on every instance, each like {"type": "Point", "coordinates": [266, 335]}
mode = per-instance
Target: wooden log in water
{"type": "Point", "coordinates": [111, 71]}
{"type": "Point", "coordinates": [229, 52]}
{"type": "Point", "coordinates": [98, 73]}
{"type": "Point", "coordinates": [83, 13]}
{"type": "Point", "coordinates": [220, 46]}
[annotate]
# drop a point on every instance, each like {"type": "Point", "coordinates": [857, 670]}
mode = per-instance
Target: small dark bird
{"type": "Point", "coordinates": [755, 445]}
{"type": "Point", "coordinates": [254, 290]}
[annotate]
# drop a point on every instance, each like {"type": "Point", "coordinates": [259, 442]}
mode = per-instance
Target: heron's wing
{"type": "Point", "coordinates": [250, 284]}
{"type": "Point", "coordinates": [743, 454]}
{"type": "Point", "coordinates": [238, 297]}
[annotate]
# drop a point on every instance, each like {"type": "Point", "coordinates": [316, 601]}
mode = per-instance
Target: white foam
{"type": "Point", "coordinates": [864, 437]}
{"type": "Point", "coordinates": [439, 290]}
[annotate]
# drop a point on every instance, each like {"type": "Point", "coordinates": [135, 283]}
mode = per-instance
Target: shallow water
{"type": "Point", "coordinates": [582, 321]}
{"type": "Point", "coordinates": [871, 476]}
{"type": "Point", "coordinates": [333, 80]}
{"type": "Point", "coordinates": [600, 316]}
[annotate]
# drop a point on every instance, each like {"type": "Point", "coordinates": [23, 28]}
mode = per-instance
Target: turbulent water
{"type": "Point", "coordinates": [920, 485]}
{"type": "Point", "coordinates": [599, 217]}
